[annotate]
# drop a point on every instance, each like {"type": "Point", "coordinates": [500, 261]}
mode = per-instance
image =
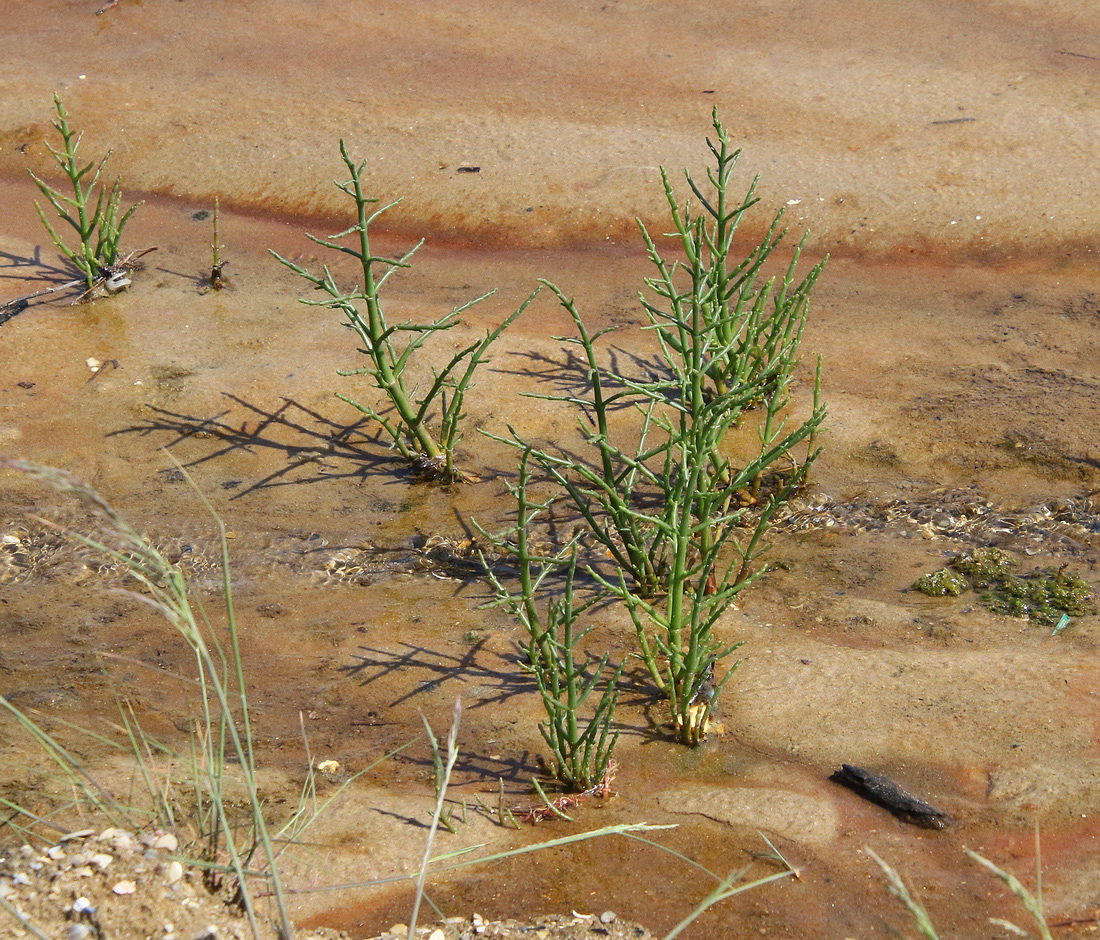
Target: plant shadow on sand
{"type": "Point", "coordinates": [567, 371]}
{"type": "Point", "coordinates": [321, 442]}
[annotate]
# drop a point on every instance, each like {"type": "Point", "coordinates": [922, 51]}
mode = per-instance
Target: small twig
{"type": "Point", "coordinates": [557, 807]}
{"type": "Point", "coordinates": [112, 275]}
{"type": "Point", "coordinates": [39, 293]}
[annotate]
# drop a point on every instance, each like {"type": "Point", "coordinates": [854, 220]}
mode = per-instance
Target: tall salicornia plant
{"type": "Point", "coordinates": [423, 426]}
{"type": "Point", "coordinates": [91, 210]}
{"type": "Point", "coordinates": [680, 516]}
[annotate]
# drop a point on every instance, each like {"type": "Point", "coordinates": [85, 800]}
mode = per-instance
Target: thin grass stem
{"type": "Point", "coordinates": [441, 795]}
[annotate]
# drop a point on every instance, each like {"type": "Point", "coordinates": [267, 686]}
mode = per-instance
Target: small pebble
{"type": "Point", "coordinates": [607, 917]}
{"type": "Point", "coordinates": [55, 852]}
{"type": "Point", "coordinates": [124, 887]}
{"type": "Point", "coordinates": [102, 859]}
{"type": "Point", "coordinates": [83, 906]}
{"type": "Point", "coordinates": [173, 872]}
{"type": "Point", "coordinates": [78, 932]}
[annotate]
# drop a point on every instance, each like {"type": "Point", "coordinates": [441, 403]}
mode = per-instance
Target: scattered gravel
{"type": "Point", "coordinates": [113, 884]}
{"type": "Point", "coordinates": [117, 885]}
{"type": "Point", "coordinates": [605, 926]}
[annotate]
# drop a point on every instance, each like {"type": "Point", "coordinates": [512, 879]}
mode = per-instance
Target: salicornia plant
{"type": "Point", "coordinates": [678, 512]}
{"type": "Point", "coordinates": [217, 266]}
{"type": "Point", "coordinates": [423, 426]}
{"type": "Point", "coordinates": [581, 748]}
{"type": "Point", "coordinates": [91, 210]}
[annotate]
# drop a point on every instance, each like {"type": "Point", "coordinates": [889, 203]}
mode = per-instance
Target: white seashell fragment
{"type": "Point", "coordinates": [124, 887]}
{"type": "Point", "coordinates": [117, 282]}
{"type": "Point", "coordinates": [166, 841]}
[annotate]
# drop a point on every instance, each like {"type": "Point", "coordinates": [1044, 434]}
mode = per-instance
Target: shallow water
{"type": "Point", "coordinates": [962, 402]}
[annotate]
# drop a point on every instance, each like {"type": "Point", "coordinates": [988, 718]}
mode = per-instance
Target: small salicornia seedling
{"type": "Point", "coordinates": [217, 275]}
{"type": "Point", "coordinates": [91, 210]}
{"type": "Point", "coordinates": [581, 750]}
{"type": "Point", "coordinates": [448, 816]}
{"type": "Point", "coordinates": [423, 437]}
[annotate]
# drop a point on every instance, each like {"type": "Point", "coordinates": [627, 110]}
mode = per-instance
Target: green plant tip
{"type": "Point", "coordinates": [942, 583]}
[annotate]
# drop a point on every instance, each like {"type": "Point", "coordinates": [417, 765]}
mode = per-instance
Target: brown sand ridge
{"type": "Point", "coordinates": [944, 128]}
{"type": "Point", "coordinates": [942, 152]}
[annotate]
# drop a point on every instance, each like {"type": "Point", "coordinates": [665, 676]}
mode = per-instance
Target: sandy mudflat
{"type": "Point", "coordinates": [942, 153]}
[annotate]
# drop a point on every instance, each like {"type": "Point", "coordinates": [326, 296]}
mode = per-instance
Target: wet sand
{"type": "Point", "coordinates": [959, 372]}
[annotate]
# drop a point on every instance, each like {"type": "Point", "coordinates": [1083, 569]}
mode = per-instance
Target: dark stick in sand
{"type": "Point", "coordinates": [885, 792]}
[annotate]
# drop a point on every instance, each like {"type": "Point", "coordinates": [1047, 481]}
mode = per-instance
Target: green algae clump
{"type": "Point", "coordinates": [942, 583]}
{"type": "Point", "coordinates": [1042, 596]}
{"type": "Point", "coordinates": [984, 566]}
